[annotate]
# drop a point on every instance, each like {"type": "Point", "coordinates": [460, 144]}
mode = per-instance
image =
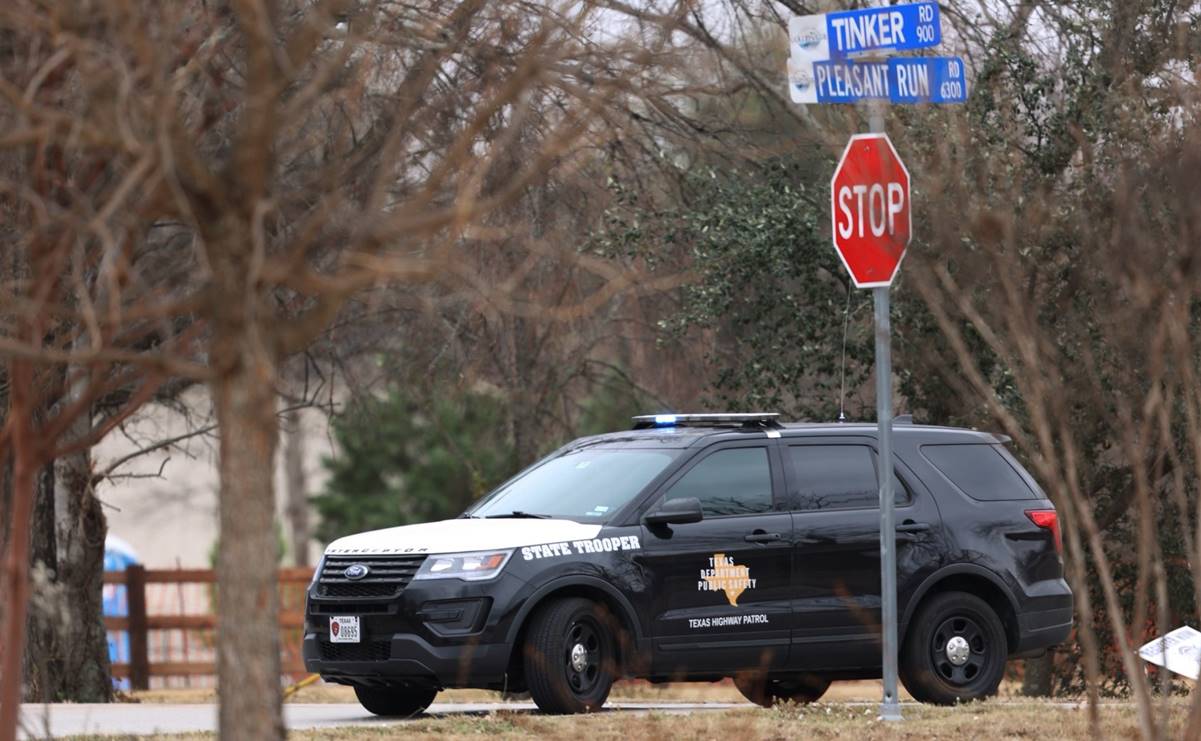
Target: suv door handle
{"type": "Point", "coordinates": [913, 527]}
{"type": "Point", "coordinates": [759, 536]}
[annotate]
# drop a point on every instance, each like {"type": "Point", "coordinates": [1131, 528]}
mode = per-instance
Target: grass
{"type": "Point", "coordinates": [994, 720]}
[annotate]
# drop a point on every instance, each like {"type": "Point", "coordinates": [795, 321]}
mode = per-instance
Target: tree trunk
{"type": "Point", "coordinates": [45, 597]}
{"type": "Point", "coordinates": [16, 562]}
{"type": "Point", "coordinates": [1039, 673]}
{"type": "Point", "coordinates": [66, 655]}
{"type": "Point", "coordinates": [248, 663]}
{"type": "Point", "coordinates": [298, 500]}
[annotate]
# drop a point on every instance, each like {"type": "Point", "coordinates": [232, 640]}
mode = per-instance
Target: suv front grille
{"type": "Point", "coordinates": [369, 651]}
{"type": "Point", "coordinates": [386, 576]}
{"type": "Point", "coordinates": [357, 590]}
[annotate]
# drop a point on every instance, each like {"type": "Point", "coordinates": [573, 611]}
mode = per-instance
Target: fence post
{"type": "Point", "coordinates": [139, 657]}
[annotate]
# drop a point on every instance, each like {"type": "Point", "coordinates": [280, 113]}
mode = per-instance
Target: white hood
{"type": "Point", "coordinates": [452, 536]}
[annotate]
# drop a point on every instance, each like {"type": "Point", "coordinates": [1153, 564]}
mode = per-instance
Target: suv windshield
{"type": "Point", "coordinates": [588, 485]}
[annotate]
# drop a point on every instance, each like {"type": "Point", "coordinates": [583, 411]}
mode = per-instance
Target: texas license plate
{"type": "Point", "coordinates": [344, 629]}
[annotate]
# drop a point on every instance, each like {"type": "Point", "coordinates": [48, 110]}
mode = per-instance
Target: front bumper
{"type": "Point", "coordinates": [443, 633]}
{"type": "Point", "coordinates": [410, 658]}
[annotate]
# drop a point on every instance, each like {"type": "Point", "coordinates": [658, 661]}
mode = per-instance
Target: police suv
{"type": "Point", "coordinates": [698, 547]}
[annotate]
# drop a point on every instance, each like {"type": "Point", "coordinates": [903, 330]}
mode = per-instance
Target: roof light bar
{"type": "Point", "coordinates": [748, 419]}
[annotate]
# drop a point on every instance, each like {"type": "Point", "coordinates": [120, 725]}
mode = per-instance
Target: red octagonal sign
{"type": "Point", "coordinates": [869, 200]}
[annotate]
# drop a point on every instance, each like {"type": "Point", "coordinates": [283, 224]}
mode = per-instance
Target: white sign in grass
{"type": "Point", "coordinates": [1178, 652]}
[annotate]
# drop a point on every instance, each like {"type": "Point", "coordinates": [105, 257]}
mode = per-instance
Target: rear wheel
{"type": "Point", "coordinates": [395, 700]}
{"type": "Point", "coordinates": [767, 691]}
{"type": "Point", "coordinates": [955, 650]}
{"type": "Point", "coordinates": [570, 656]}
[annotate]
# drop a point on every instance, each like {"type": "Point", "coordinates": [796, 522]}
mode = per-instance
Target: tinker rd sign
{"type": "Point", "coordinates": [893, 28]}
{"type": "Point", "coordinates": [869, 199]}
{"type": "Point", "coordinates": [899, 27]}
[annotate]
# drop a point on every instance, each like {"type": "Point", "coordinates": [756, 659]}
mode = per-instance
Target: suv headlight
{"type": "Point", "coordinates": [470, 566]}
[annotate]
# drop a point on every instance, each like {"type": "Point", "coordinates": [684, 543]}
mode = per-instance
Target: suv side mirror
{"type": "Point", "coordinates": [676, 512]}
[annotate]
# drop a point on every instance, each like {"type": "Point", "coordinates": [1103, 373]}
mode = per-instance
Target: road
{"type": "Point", "coordinates": [55, 721]}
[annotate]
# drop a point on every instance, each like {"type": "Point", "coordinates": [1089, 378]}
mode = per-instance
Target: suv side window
{"type": "Point", "coordinates": [980, 471]}
{"type": "Point", "coordinates": [839, 477]}
{"type": "Point", "coordinates": [734, 481]}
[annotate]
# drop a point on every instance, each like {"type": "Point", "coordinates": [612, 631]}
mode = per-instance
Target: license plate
{"type": "Point", "coordinates": [344, 629]}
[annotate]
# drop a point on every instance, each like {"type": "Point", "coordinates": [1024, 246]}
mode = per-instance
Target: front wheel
{"type": "Point", "coordinates": [396, 701]}
{"type": "Point", "coordinates": [767, 691]}
{"type": "Point", "coordinates": [955, 650]}
{"type": "Point", "coordinates": [570, 656]}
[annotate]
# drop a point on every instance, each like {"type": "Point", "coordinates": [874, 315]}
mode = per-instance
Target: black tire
{"type": "Point", "coordinates": [557, 684]}
{"type": "Point", "coordinates": [767, 691]}
{"type": "Point", "coordinates": [930, 667]}
{"type": "Point", "coordinates": [395, 701]}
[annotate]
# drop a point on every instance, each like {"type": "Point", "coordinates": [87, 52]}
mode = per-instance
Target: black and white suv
{"type": "Point", "coordinates": [697, 547]}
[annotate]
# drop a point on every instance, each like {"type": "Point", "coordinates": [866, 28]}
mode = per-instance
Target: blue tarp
{"type": "Point", "coordinates": [117, 556]}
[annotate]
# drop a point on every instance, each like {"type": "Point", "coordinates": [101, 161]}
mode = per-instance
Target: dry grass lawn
{"type": "Point", "coordinates": [1008, 717]}
{"type": "Point", "coordinates": [995, 721]}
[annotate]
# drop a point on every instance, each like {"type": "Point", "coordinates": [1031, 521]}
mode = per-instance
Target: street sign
{"type": "Point", "coordinates": [897, 80]}
{"type": "Point", "coordinates": [869, 201]}
{"type": "Point", "coordinates": [896, 27]}
{"type": "Point", "coordinates": [848, 32]}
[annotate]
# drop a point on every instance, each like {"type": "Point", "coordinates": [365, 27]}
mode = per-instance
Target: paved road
{"type": "Point", "coordinates": [51, 721]}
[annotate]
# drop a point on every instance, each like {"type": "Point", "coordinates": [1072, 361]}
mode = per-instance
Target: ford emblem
{"type": "Point", "coordinates": [355, 571]}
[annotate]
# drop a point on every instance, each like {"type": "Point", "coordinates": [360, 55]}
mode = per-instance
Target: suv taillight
{"type": "Point", "coordinates": [1049, 520]}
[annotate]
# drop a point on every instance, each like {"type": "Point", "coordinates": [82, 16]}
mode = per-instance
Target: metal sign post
{"type": "Point", "coordinates": [842, 57]}
{"type": "Point", "coordinates": [890, 708]}
{"type": "Point", "coordinates": [870, 203]}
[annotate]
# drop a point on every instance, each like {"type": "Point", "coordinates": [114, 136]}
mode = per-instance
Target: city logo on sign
{"type": "Point", "coordinates": [808, 38]}
{"type": "Point", "coordinates": [799, 79]}
{"type": "Point", "coordinates": [356, 571]}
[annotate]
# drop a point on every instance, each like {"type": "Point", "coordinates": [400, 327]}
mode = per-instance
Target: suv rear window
{"type": "Point", "coordinates": [980, 470]}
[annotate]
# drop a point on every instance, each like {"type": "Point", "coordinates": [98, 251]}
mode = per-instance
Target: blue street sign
{"type": "Point", "coordinates": [899, 80]}
{"type": "Point", "coordinates": [897, 27]}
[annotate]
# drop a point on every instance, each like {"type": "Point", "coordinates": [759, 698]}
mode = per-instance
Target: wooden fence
{"type": "Point", "coordinates": [139, 623]}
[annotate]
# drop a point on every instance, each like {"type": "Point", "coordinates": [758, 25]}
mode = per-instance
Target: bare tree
{"type": "Point", "coordinates": [307, 151]}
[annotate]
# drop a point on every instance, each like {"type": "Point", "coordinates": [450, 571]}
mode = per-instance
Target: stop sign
{"type": "Point", "coordinates": [869, 200]}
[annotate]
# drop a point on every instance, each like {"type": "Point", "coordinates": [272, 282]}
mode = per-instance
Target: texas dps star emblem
{"type": "Point", "coordinates": [723, 575]}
